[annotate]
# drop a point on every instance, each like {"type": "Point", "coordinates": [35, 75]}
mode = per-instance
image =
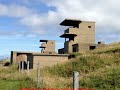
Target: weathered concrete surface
{"type": "Point", "coordinates": [36, 57]}
{"type": "Point", "coordinates": [48, 46]}
{"type": "Point", "coordinates": [49, 59]}
{"type": "Point", "coordinates": [81, 36]}
{"type": "Point", "coordinates": [17, 56]}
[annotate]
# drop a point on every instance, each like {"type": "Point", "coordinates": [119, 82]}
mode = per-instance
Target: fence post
{"type": "Point", "coordinates": [28, 67]}
{"type": "Point", "coordinates": [75, 80]}
{"type": "Point", "coordinates": [19, 65]}
{"type": "Point", "coordinates": [22, 66]}
{"type": "Point", "coordinates": [38, 76]}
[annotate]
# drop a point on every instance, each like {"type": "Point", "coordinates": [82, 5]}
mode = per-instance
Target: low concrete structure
{"type": "Point", "coordinates": [49, 59]}
{"type": "Point", "coordinates": [36, 57]}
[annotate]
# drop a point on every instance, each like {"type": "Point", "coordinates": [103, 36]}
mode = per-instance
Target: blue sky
{"type": "Point", "coordinates": [24, 22]}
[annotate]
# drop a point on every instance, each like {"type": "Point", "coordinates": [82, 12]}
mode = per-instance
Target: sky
{"type": "Point", "coordinates": [24, 22]}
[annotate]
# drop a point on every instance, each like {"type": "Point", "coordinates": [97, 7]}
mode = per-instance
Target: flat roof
{"type": "Point", "coordinates": [43, 40]}
{"type": "Point", "coordinates": [73, 22]}
{"type": "Point", "coordinates": [70, 22]}
{"type": "Point", "coordinates": [39, 53]}
{"type": "Point", "coordinates": [42, 54]}
{"type": "Point", "coordinates": [25, 52]}
{"type": "Point", "coordinates": [47, 40]}
{"type": "Point", "coordinates": [42, 47]}
{"type": "Point", "coordinates": [67, 35]}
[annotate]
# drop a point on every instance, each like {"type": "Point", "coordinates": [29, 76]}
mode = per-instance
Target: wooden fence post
{"type": "Point", "coordinates": [38, 76]}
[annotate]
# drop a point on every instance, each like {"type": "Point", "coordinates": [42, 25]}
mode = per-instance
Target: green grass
{"type": "Point", "coordinates": [105, 80]}
{"type": "Point", "coordinates": [84, 64]}
{"type": "Point", "coordinates": [99, 69]}
{"type": "Point", "coordinates": [15, 84]}
{"type": "Point", "coordinates": [9, 84]}
{"type": "Point", "coordinates": [12, 79]}
{"type": "Point", "coordinates": [96, 69]}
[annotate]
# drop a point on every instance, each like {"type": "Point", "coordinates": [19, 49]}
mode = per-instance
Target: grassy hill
{"type": "Point", "coordinates": [99, 69]}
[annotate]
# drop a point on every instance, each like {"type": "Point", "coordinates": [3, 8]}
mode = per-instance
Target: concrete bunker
{"type": "Point", "coordinates": [80, 36]}
{"type": "Point", "coordinates": [18, 57]}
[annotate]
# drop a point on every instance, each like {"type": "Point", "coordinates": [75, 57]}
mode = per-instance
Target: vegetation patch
{"type": "Point", "coordinates": [99, 69]}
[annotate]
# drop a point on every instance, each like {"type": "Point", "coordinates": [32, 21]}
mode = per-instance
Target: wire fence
{"type": "Point", "coordinates": [61, 76]}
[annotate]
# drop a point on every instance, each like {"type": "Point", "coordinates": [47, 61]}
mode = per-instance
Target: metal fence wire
{"type": "Point", "coordinates": [60, 76]}
{"type": "Point", "coordinates": [64, 76]}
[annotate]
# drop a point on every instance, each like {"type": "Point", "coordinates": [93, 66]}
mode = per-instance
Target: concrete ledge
{"type": "Point", "coordinates": [25, 52]}
{"type": "Point", "coordinates": [42, 54]}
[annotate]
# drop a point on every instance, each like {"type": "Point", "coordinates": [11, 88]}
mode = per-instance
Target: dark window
{"type": "Point", "coordinates": [75, 48]}
{"type": "Point", "coordinates": [89, 26]}
{"type": "Point", "coordinates": [92, 47]}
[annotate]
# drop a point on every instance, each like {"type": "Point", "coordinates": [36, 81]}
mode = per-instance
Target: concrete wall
{"type": "Point", "coordinates": [13, 57]}
{"type": "Point", "coordinates": [48, 60]}
{"type": "Point", "coordinates": [68, 46]}
{"type": "Point", "coordinates": [83, 47]}
{"type": "Point", "coordinates": [17, 56]}
{"type": "Point", "coordinates": [85, 35]}
{"type": "Point", "coordinates": [21, 57]}
{"type": "Point", "coordinates": [72, 30]}
{"type": "Point", "coordinates": [34, 58]}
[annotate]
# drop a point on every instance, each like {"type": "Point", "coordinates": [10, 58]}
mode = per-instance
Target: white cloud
{"type": "Point", "coordinates": [99, 11]}
{"type": "Point", "coordinates": [42, 23]}
{"type": "Point", "coordinates": [106, 14]}
{"type": "Point", "coordinates": [33, 20]}
{"type": "Point", "coordinates": [41, 19]}
{"type": "Point", "coordinates": [7, 33]}
{"type": "Point", "coordinates": [14, 10]}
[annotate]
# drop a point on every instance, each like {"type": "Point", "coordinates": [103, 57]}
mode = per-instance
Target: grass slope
{"type": "Point", "coordinates": [99, 69]}
{"type": "Point", "coordinates": [9, 84]}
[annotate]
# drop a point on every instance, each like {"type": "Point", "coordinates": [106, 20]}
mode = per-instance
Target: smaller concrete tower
{"type": "Point", "coordinates": [47, 46]}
